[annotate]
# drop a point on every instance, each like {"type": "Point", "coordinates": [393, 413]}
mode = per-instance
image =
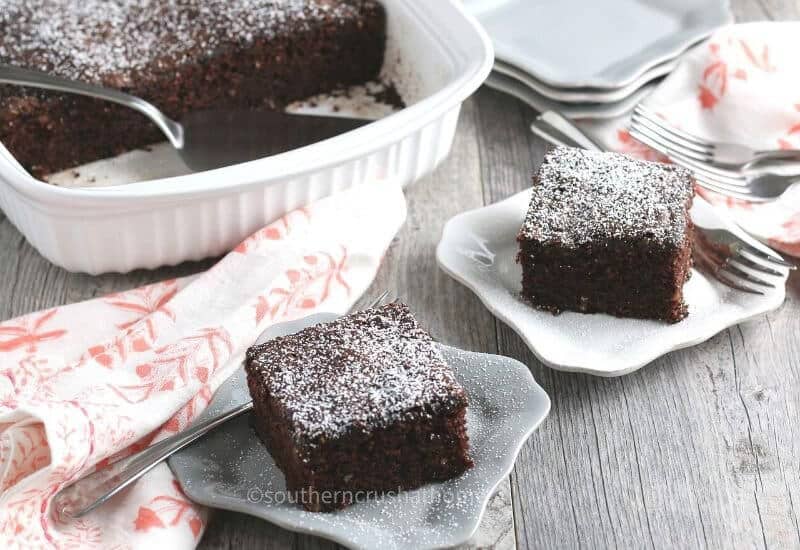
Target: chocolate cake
{"type": "Point", "coordinates": [358, 407]}
{"type": "Point", "coordinates": [606, 233]}
{"type": "Point", "coordinates": [181, 55]}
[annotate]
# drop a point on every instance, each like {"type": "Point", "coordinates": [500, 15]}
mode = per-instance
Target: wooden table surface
{"type": "Point", "coordinates": [699, 449]}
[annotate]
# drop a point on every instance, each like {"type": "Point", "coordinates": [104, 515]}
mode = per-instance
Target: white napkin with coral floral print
{"type": "Point", "coordinates": [742, 86]}
{"type": "Point", "coordinates": [84, 384]}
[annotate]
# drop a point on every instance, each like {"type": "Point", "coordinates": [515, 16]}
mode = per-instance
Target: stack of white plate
{"type": "Point", "coordinates": [588, 58]}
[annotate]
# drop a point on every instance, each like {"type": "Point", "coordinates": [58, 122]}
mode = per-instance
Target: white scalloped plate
{"type": "Point", "coordinates": [585, 111]}
{"type": "Point", "coordinates": [586, 95]}
{"type": "Point", "coordinates": [478, 248]}
{"type": "Point", "coordinates": [231, 469]}
{"type": "Point", "coordinates": [598, 44]}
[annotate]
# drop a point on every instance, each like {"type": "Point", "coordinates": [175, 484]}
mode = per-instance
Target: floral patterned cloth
{"type": "Point", "coordinates": [84, 384]}
{"type": "Point", "coordinates": [742, 86]}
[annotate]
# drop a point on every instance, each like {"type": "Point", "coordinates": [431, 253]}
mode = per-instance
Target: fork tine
{"type": "Point", "coordinates": [706, 255]}
{"type": "Point", "coordinates": [717, 268]}
{"type": "Point", "coordinates": [723, 277]}
{"type": "Point", "coordinates": [643, 136]}
{"type": "Point", "coordinates": [639, 136]}
{"type": "Point", "coordinates": [740, 259]}
{"type": "Point", "coordinates": [379, 300]}
{"type": "Point", "coordinates": [665, 144]}
{"type": "Point", "coordinates": [742, 189]}
{"type": "Point", "coordinates": [709, 169]}
{"type": "Point", "coordinates": [733, 270]}
{"type": "Point", "coordinates": [727, 193]}
{"type": "Point", "coordinates": [667, 134]}
{"type": "Point", "coordinates": [724, 177]}
{"type": "Point", "coordinates": [692, 162]}
{"type": "Point", "coordinates": [757, 254]}
{"type": "Point", "coordinates": [736, 192]}
{"type": "Point", "coordinates": [667, 131]}
{"type": "Point", "coordinates": [651, 115]}
{"type": "Point", "coordinates": [740, 184]}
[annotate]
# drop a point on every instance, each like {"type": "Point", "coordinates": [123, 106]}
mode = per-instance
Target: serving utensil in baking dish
{"type": "Point", "coordinates": [206, 139]}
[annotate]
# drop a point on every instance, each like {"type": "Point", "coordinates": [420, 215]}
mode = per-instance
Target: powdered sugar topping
{"type": "Point", "coordinates": [104, 41]}
{"type": "Point", "coordinates": [580, 196]}
{"type": "Point", "coordinates": [364, 371]}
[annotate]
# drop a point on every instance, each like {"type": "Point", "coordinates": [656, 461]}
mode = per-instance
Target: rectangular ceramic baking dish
{"type": "Point", "coordinates": [439, 56]}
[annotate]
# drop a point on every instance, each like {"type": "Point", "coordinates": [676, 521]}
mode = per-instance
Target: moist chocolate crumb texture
{"type": "Point", "coordinates": [358, 407]}
{"type": "Point", "coordinates": [606, 233]}
{"type": "Point", "coordinates": [181, 55]}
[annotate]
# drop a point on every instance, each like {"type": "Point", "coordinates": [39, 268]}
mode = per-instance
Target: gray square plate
{"type": "Point", "coordinates": [231, 469]}
{"type": "Point", "coordinates": [598, 44]}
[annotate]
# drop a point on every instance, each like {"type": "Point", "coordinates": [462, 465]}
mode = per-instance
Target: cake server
{"type": "Point", "coordinates": [87, 493]}
{"type": "Point", "coordinates": [211, 138]}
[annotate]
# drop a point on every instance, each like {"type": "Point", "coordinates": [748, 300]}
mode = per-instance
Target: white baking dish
{"type": "Point", "coordinates": [439, 56]}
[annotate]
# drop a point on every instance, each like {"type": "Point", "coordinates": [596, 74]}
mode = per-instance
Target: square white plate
{"type": "Point", "coordinates": [478, 248]}
{"type": "Point", "coordinates": [601, 44]}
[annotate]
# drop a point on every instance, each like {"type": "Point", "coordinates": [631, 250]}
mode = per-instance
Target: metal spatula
{"type": "Point", "coordinates": [207, 139]}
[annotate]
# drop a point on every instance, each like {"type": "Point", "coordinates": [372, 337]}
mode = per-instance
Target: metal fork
{"type": "Point", "coordinates": [733, 261]}
{"type": "Point", "coordinates": [87, 493]}
{"type": "Point", "coordinates": [728, 155]}
{"type": "Point", "coordinates": [730, 259]}
{"type": "Point", "coordinates": [761, 187]}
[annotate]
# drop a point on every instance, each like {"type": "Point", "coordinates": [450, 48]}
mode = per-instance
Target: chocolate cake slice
{"type": "Point", "coordinates": [358, 407]}
{"type": "Point", "coordinates": [181, 55]}
{"type": "Point", "coordinates": [606, 233]}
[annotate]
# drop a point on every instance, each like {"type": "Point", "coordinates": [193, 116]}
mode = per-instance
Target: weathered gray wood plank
{"type": "Point", "coordinates": [750, 10]}
{"type": "Point", "coordinates": [232, 531]}
{"type": "Point", "coordinates": [757, 10]}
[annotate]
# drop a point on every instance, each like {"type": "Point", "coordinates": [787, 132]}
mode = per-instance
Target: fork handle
{"type": "Point", "coordinates": [562, 125]}
{"type": "Point", "coordinates": [87, 493]}
{"type": "Point", "coordinates": [37, 79]}
{"type": "Point", "coordinates": [779, 155]}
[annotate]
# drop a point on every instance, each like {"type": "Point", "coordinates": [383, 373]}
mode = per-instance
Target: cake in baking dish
{"type": "Point", "coordinates": [360, 406]}
{"type": "Point", "coordinates": [181, 55]}
{"type": "Point", "coordinates": [606, 233]}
